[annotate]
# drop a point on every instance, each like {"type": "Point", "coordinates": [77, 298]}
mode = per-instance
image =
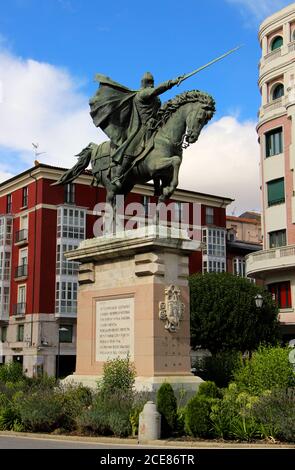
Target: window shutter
{"type": "Point", "coordinates": [276, 192]}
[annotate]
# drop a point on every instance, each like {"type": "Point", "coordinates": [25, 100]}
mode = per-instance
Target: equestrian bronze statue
{"type": "Point", "coordinates": [146, 139]}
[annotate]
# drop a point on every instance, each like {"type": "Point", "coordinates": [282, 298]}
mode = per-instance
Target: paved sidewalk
{"type": "Point", "coordinates": [174, 443]}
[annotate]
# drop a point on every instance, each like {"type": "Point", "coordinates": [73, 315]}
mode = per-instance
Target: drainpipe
{"type": "Point", "coordinates": [34, 256]}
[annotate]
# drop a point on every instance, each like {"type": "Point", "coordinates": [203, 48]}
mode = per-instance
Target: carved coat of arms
{"type": "Point", "coordinates": [172, 309]}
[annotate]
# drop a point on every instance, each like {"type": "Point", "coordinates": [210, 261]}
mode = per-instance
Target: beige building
{"type": "Point", "coordinates": [246, 227]}
{"type": "Point", "coordinates": [276, 130]}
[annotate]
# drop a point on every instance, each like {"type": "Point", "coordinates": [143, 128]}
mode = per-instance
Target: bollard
{"type": "Point", "coordinates": [149, 427]}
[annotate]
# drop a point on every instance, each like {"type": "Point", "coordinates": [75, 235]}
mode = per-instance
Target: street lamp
{"type": "Point", "coordinates": [258, 300]}
{"type": "Point", "coordinates": [58, 350]}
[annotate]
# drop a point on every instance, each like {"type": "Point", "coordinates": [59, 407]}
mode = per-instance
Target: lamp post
{"type": "Point", "coordinates": [58, 349]}
{"type": "Point", "coordinates": [258, 300]}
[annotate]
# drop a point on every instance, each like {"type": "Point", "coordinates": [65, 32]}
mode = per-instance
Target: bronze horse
{"type": "Point", "coordinates": [180, 121]}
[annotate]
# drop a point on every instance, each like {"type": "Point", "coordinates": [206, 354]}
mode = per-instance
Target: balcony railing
{"type": "Point", "coordinates": [21, 235]}
{"type": "Point", "coordinates": [273, 105]}
{"type": "Point", "coordinates": [273, 55]}
{"type": "Point", "coordinates": [21, 271]}
{"type": "Point", "coordinates": [20, 308]}
{"type": "Point", "coordinates": [270, 260]}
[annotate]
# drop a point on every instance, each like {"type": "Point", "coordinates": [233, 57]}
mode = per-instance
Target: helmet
{"type": "Point", "coordinates": [147, 78]}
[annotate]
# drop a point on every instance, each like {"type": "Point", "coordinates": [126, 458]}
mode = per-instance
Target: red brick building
{"type": "Point", "coordinates": [38, 287]}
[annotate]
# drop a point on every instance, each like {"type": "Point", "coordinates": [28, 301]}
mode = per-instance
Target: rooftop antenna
{"type": "Point", "coordinates": [36, 146]}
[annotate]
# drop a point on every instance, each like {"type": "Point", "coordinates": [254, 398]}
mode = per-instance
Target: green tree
{"type": "Point", "coordinates": [224, 315]}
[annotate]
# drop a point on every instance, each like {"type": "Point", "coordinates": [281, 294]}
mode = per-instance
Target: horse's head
{"type": "Point", "coordinates": [196, 119]}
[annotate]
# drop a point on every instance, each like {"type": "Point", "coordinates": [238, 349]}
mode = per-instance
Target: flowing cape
{"type": "Point", "coordinates": [112, 109]}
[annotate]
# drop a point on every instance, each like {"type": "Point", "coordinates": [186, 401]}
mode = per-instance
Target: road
{"type": "Point", "coordinates": [12, 442]}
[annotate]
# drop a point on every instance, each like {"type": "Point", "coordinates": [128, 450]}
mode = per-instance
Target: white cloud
{"type": "Point", "coordinates": [260, 9]}
{"type": "Point", "coordinates": [42, 103]}
{"type": "Point", "coordinates": [225, 162]}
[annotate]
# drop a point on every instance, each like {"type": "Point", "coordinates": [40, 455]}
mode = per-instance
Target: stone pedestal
{"type": "Point", "coordinates": [123, 306]}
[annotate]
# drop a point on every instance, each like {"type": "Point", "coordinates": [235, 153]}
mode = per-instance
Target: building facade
{"type": "Point", "coordinates": [38, 287]}
{"type": "Point", "coordinates": [276, 130]}
{"type": "Point", "coordinates": [243, 237]}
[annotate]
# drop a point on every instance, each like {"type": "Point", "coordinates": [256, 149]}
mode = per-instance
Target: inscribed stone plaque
{"type": "Point", "coordinates": [114, 329]}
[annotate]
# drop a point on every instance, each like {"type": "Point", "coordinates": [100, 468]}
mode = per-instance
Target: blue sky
{"type": "Point", "coordinates": [51, 49]}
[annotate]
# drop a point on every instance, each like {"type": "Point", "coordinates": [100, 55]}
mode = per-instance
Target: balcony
{"type": "Point", "coordinates": [264, 262]}
{"type": "Point", "coordinates": [21, 272]}
{"type": "Point", "coordinates": [20, 309]}
{"type": "Point", "coordinates": [21, 237]}
{"type": "Point", "coordinates": [273, 55]}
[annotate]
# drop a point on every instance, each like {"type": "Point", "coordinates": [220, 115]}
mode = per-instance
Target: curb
{"type": "Point", "coordinates": [157, 443]}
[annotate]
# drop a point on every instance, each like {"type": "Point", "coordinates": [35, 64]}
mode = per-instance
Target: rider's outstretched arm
{"type": "Point", "coordinates": [158, 90]}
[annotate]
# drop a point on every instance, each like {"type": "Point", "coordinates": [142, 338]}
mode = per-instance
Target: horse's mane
{"type": "Point", "coordinates": [170, 106]}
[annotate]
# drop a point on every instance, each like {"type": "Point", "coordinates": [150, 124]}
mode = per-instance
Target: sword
{"type": "Point", "coordinates": [184, 77]}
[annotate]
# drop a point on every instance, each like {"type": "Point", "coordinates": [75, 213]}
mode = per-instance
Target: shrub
{"type": "Point", "coordinates": [232, 417]}
{"type": "Point", "coordinates": [40, 411]}
{"type": "Point", "coordinates": [197, 417]}
{"type": "Point", "coordinates": [118, 376]}
{"type": "Point", "coordinates": [75, 399]}
{"type": "Point", "coordinates": [219, 367]}
{"type": "Point", "coordinates": [8, 419]}
{"type": "Point", "coordinates": [268, 368]}
{"type": "Point", "coordinates": [107, 415]}
{"type": "Point", "coordinates": [43, 382]}
{"type": "Point", "coordinates": [11, 372]}
{"type": "Point", "coordinates": [94, 420]}
{"type": "Point", "coordinates": [208, 389]}
{"type": "Point", "coordinates": [167, 406]}
{"type": "Point", "coordinates": [180, 426]}
{"type": "Point", "coordinates": [275, 412]}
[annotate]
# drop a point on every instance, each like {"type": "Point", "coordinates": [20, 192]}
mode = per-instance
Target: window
{"type": "Point", "coordinates": [66, 297]}
{"type": "Point", "coordinates": [23, 257]}
{"type": "Point", "coordinates": [66, 333]}
{"type": "Point", "coordinates": [4, 299]}
{"type": "Point", "coordinates": [214, 266]}
{"type": "Point", "coordinates": [278, 91]}
{"type": "Point", "coordinates": [281, 292]}
{"type": "Point", "coordinates": [277, 238]}
{"type": "Point", "coordinates": [209, 216]}
{"type": "Point", "coordinates": [20, 332]}
{"type": "Point", "coordinates": [24, 222]}
{"type": "Point", "coordinates": [70, 193]}
{"type": "Point", "coordinates": [9, 203]}
{"type": "Point", "coordinates": [4, 334]}
{"type": "Point", "coordinates": [71, 223]}
{"type": "Point", "coordinates": [215, 242]}
{"type": "Point", "coordinates": [277, 42]}
{"type": "Point", "coordinates": [25, 196]}
{"type": "Point", "coordinates": [274, 142]}
{"type": "Point", "coordinates": [276, 192]}
{"type": "Point", "coordinates": [5, 230]}
{"type": "Point", "coordinates": [63, 266]}
{"type": "Point", "coordinates": [239, 267]}
{"type": "Point", "coordinates": [21, 295]}
{"type": "Point", "coordinates": [4, 266]}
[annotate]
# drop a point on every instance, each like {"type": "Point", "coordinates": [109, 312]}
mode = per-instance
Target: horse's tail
{"type": "Point", "coordinates": [73, 173]}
